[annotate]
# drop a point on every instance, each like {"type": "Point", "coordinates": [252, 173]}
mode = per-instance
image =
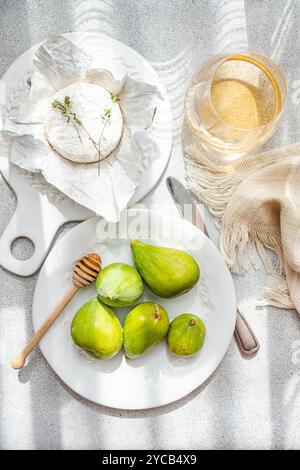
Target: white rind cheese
{"type": "Point", "coordinates": [80, 143]}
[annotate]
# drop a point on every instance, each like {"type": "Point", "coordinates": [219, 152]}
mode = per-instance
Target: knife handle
{"type": "Point", "coordinates": [244, 336]}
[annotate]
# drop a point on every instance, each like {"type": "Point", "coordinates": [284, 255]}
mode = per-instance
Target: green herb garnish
{"type": "Point", "coordinates": [66, 110]}
{"type": "Point", "coordinates": [114, 98]}
{"type": "Point", "coordinates": [106, 114]}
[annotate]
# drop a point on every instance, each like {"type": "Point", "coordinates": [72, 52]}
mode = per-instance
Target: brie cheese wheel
{"type": "Point", "coordinates": [93, 138]}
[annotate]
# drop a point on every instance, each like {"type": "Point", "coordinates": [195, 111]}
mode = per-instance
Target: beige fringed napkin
{"type": "Point", "coordinates": [257, 200]}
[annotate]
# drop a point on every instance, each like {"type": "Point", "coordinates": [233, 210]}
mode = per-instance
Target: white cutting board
{"type": "Point", "coordinates": [41, 210]}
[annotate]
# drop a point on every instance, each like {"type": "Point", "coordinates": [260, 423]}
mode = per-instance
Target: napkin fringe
{"type": "Point", "coordinates": [214, 185]}
{"type": "Point", "coordinates": [276, 293]}
{"type": "Point", "coordinates": [235, 241]}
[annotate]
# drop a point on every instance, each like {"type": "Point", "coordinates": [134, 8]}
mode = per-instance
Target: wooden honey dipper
{"type": "Point", "coordinates": [85, 273]}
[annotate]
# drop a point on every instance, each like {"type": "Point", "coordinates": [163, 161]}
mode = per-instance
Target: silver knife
{"type": "Point", "coordinates": [243, 333]}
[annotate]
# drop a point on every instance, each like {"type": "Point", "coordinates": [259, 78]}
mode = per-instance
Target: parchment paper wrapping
{"type": "Point", "coordinates": [57, 63]}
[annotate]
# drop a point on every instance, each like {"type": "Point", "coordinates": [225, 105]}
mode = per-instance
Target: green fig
{"type": "Point", "coordinates": [166, 271]}
{"type": "Point", "coordinates": [186, 335]}
{"type": "Point", "coordinates": [145, 326]}
{"type": "Point", "coordinates": [96, 329]}
{"type": "Point", "coordinates": [119, 285]}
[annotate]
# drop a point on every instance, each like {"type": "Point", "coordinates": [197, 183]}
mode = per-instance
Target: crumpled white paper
{"type": "Point", "coordinates": [57, 63]}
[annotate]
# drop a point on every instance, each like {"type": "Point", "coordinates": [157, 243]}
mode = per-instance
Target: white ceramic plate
{"type": "Point", "coordinates": [159, 377]}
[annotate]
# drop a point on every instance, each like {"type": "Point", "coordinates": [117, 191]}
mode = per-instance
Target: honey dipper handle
{"type": "Point", "coordinates": [19, 360]}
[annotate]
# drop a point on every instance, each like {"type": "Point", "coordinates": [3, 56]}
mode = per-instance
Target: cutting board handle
{"type": "Point", "coordinates": [38, 217]}
{"type": "Point", "coordinates": [31, 226]}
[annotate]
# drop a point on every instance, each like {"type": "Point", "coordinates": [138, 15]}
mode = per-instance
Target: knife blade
{"type": "Point", "coordinates": [186, 203]}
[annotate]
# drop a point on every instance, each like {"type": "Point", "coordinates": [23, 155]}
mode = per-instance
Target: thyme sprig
{"type": "Point", "coordinates": [66, 110]}
{"type": "Point", "coordinates": [106, 114]}
{"type": "Point", "coordinates": [106, 118]}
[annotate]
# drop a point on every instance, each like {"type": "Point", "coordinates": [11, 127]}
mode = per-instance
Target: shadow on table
{"type": "Point", "coordinates": [284, 376]}
{"type": "Point", "coordinates": [175, 66]}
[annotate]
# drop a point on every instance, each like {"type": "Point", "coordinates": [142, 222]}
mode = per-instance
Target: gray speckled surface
{"type": "Point", "coordinates": [246, 403]}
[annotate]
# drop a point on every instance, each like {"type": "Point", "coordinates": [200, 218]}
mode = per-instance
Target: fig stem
{"type": "Point", "coordinates": [192, 322]}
